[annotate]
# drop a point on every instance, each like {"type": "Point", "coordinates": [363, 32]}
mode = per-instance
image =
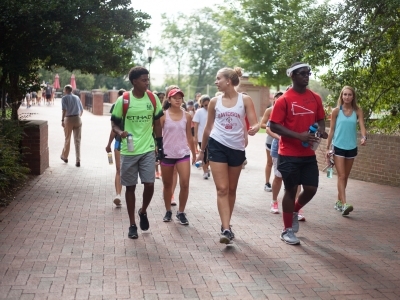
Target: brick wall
{"type": "Point", "coordinates": [35, 146]}
{"type": "Point", "coordinates": [378, 161]}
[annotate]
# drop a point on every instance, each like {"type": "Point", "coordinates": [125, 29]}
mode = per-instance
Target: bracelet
{"type": "Point", "coordinates": [364, 137]}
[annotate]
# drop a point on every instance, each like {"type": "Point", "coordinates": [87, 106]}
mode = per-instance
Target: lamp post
{"type": "Point", "coordinates": [150, 56]}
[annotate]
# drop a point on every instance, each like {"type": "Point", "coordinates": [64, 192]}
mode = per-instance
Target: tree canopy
{"type": "Point", "coordinates": [88, 35]}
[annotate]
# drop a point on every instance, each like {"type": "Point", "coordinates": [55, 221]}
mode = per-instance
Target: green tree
{"type": "Point", "coordinates": [253, 31]}
{"type": "Point", "coordinates": [86, 35]}
{"type": "Point", "coordinates": [191, 45]}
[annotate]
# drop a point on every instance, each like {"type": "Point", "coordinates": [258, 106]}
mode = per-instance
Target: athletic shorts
{"type": "Point", "coordinates": [170, 162]}
{"type": "Point", "coordinates": [222, 154]}
{"type": "Point", "coordinates": [275, 164]}
{"type": "Point", "coordinates": [134, 165]}
{"type": "Point", "coordinates": [268, 147]}
{"type": "Point", "coordinates": [348, 154]}
{"type": "Point", "coordinates": [205, 156]}
{"type": "Point", "coordinates": [48, 96]}
{"type": "Point", "coordinates": [117, 145]}
{"type": "Point", "coordinates": [297, 170]}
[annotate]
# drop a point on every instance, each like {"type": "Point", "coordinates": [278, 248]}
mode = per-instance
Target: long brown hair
{"type": "Point", "coordinates": [353, 102]}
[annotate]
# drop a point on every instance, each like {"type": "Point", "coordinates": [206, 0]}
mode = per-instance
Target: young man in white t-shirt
{"type": "Point", "coordinates": [200, 120]}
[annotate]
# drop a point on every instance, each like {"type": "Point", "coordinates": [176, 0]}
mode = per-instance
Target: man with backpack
{"type": "Point", "coordinates": [136, 115]}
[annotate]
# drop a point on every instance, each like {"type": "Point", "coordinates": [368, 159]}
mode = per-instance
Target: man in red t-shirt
{"type": "Point", "coordinates": [294, 112]}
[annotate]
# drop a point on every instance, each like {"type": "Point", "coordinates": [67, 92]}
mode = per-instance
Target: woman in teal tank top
{"type": "Point", "coordinates": [343, 137]}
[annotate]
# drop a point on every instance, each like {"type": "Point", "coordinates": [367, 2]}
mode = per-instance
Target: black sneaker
{"type": "Point", "coordinates": [182, 218]}
{"type": "Point", "coordinates": [226, 237]}
{"type": "Point", "coordinates": [168, 216]}
{"type": "Point", "coordinates": [144, 222]}
{"type": "Point", "coordinates": [230, 228]}
{"type": "Point", "coordinates": [133, 232]}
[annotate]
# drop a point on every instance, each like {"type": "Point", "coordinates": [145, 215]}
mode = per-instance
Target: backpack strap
{"type": "Point", "coordinates": [153, 100]}
{"type": "Point", "coordinates": [125, 105]}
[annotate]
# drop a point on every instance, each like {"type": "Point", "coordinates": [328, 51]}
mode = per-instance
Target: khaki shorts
{"type": "Point", "coordinates": [134, 165]}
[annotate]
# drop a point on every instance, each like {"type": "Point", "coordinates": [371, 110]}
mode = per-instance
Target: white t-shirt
{"type": "Point", "coordinates": [229, 124]}
{"type": "Point", "coordinates": [200, 117]}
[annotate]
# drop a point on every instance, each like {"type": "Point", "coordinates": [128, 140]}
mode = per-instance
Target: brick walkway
{"type": "Point", "coordinates": [63, 239]}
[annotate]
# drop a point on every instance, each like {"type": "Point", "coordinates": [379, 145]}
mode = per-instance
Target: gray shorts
{"type": "Point", "coordinates": [134, 165]}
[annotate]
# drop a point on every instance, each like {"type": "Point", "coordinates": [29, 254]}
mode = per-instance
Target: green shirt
{"type": "Point", "coordinates": [138, 121]}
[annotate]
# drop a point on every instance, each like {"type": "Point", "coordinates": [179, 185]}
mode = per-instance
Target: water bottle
{"type": "Point", "coordinates": [130, 142]}
{"type": "Point", "coordinates": [198, 164]}
{"type": "Point", "coordinates": [313, 129]}
{"type": "Point", "coordinates": [110, 159]}
{"type": "Point", "coordinates": [329, 172]}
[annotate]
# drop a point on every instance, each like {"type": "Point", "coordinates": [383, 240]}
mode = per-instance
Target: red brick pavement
{"type": "Point", "coordinates": [63, 239]}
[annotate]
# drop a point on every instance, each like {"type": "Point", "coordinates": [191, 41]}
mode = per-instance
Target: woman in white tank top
{"type": "Point", "coordinates": [225, 137]}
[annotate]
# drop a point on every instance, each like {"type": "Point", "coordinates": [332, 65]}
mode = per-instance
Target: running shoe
{"type": "Point", "coordinates": [295, 222]}
{"type": "Point", "coordinates": [346, 209]}
{"type": "Point", "coordinates": [338, 205]}
{"type": "Point", "coordinates": [230, 228]}
{"type": "Point", "coordinates": [274, 207]}
{"type": "Point", "coordinates": [182, 218]}
{"type": "Point", "coordinates": [205, 176]}
{"type": "Point", "coordinates": [208, 173]}
{"type": "Point", "coordinates": [300, 216]}
{"type": "Point", "coordinates": [144, 222]}
{"type": "Point", "coordinates": [226, 237]}
{"type": "Point", "coordinates": [268, 187]}
{"type": "Point", "coordinates": [289, 237]}
{"type": "Point", "coordinates": [168, 216]}
{"type": "Point", "coordinates": [133, 232]}
{"type": "Point", "coordinates": [117, 200]}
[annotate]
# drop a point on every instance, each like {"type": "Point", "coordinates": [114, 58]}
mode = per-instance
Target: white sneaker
{"type": "Point", "coordinates": [117, 200]}
{"type": "Point", "coordinates": [205, 176]}
{"type": "Point", "coordinates": [268, 187]}
{"type": "Point", "coordinates": [274, 207]}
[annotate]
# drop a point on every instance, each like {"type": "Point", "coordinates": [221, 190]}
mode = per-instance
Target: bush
{"type": "Point", "coordinates": [12, 170]}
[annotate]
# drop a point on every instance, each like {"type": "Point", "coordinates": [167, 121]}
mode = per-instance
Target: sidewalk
{"type": "Point", "coordinates": [62, 238]}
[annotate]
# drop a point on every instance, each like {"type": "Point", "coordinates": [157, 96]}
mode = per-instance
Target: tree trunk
{"type": "Point", "coordinates": [15, 95]}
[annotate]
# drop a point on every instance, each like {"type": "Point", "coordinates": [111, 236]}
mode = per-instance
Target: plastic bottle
{"type": "Point", "coordinates": [329, 172]}
{"type": "Point", "coordinates": [313, 129]}
{"type": "Point", "coordinates": [198, 164]}
{"type": "Point", "coordinates": [130, 142]}
{"type": "Point", "coordinates": [110, 158]}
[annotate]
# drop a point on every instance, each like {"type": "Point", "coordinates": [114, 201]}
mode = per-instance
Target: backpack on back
{"type": "Point", "coordinates": [126, 99]}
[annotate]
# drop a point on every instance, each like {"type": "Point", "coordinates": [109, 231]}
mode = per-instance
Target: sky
{"type": "Point", "coordinates": [155, 8]}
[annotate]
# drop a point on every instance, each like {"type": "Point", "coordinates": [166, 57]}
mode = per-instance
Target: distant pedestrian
{"type": "Point", "coordinates": [34, 97]}
{"type": "Point", "coordinates": [137, 122]}
{"type": "Point", "coordinates": [343, 138]}
{"type": "Point", "coordinates": [178, 145]}
{"type": "Point", "coordinates": [48, 93]}
{"type": "Point", "coordinates": [294, 112]}
{"type": "Point", "coordinates": [117, 155]}
{"type": "Point", "coordinates": [72, 111]}
{"type": "Point", "coordinates": [28, 100]}
{"type": "Point", "coordinates": [224, 135]}
{"type": "Point", "coordinates": [268, 142]}
{"type": "Point", "coordinates": [200, 121]}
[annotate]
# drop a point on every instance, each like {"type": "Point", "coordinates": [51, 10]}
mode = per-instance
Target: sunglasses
{"type": "Point", "coordinates": [303, 74]}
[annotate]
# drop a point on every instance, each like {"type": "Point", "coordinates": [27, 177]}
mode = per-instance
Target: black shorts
{"type": "Point", "coordinates": [222, 154]}
{"type": "Point", "coordinates": [348, 154]}
{"type": "Point", "coordinates": [205, 157]}
{"type": "Point", "coordinates": [48, 96]}
{"type": "Point", "coordinates": [297, 170]}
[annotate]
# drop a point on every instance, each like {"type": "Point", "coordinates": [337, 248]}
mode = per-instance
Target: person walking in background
{"type": "Point", "coordinates": [225, 138]}
{"type": "Point", "coordinates": [343, 137]}
{"type": "Point", "coordinates": [134, 121]}
{"type": "Point", "coordinates": [268, 142]}
{"type": "Point", "coordinates": [34, 97]}
{"type": "Point", "coordinates": [178, 144]}
{"type": "Point", "coordinates": [190, 110]}
{"type": "Point", "coordinates": [294, 112]}
{"type": "Point", "coordinates": [49, 92]}
{"type": "Point", "coordinates": [117, 157]}
{"type": "Point", "coordinates": [28, 100]}
{"type": "Point", "coordinates": [72, 111]}
{"type": "Point", "coordinates": [200, 121]}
